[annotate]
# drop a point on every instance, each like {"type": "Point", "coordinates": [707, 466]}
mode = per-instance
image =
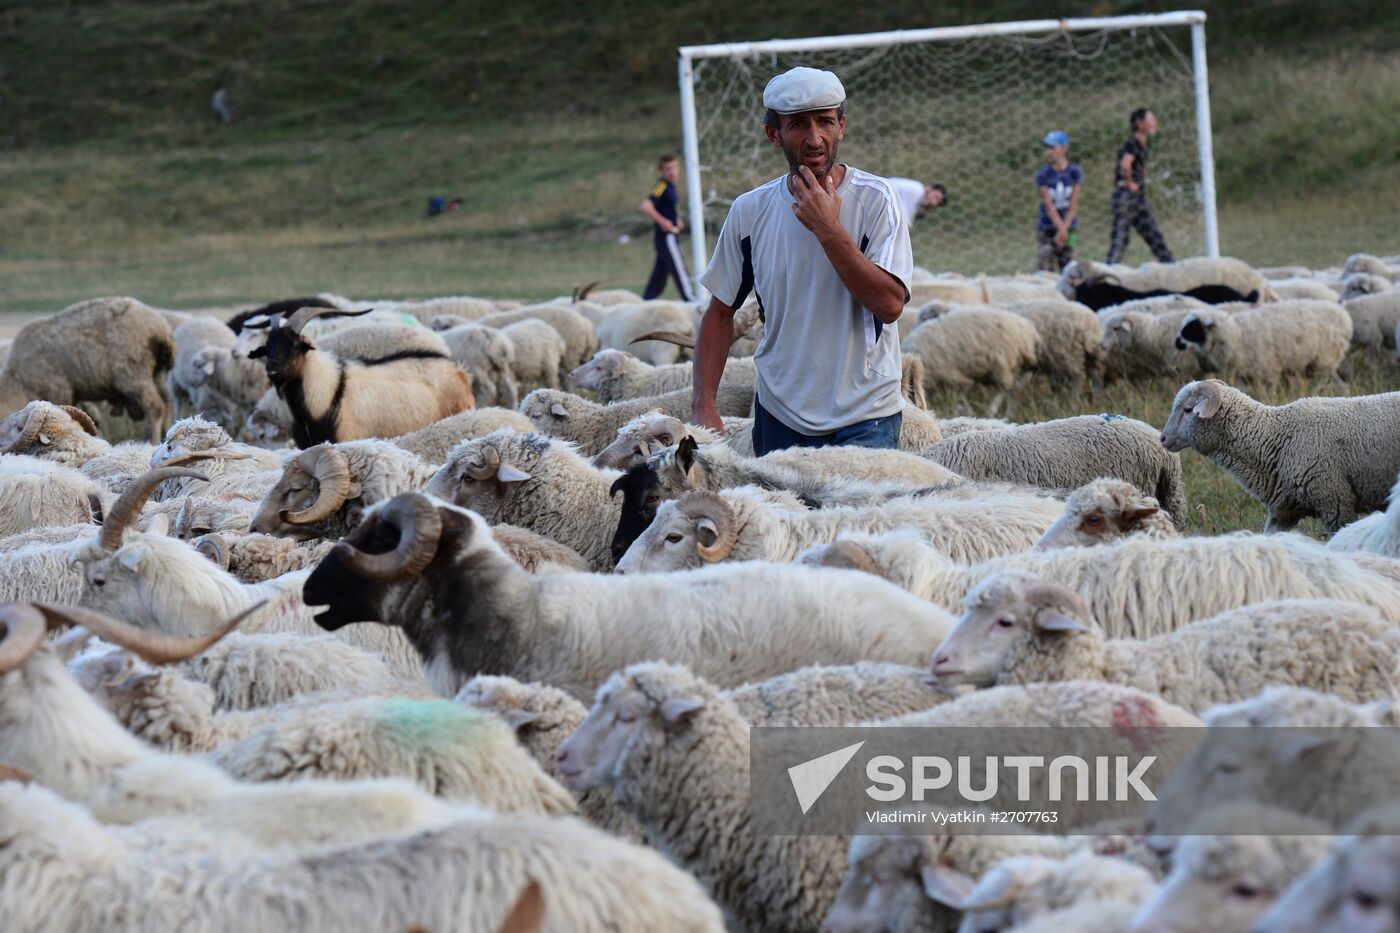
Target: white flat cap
{"type": "Point", "coordinates": [800, 89]}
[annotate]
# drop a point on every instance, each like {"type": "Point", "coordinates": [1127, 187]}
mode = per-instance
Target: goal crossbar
{"type": "Point", "coordinates": [1195, 19]}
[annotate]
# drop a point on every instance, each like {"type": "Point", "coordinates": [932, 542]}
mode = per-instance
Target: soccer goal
{"type": "Point", "coordinates": [966, 106]}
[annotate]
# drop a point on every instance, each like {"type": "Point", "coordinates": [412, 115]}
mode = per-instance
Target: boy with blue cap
{"type": "Point", "coordinates": [1058, 182]}
{"type": "Point", "coordinates": [824, 249]}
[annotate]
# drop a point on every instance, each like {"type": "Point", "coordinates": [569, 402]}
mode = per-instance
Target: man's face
{"type": "Point", "coordinates": [932, 197]}
{"type": "Point", "coordinates": [809, 139]}
{"type": "Point", "coordinates": [671, 171]}
{"type": "Point", "coordinates": [1149, 124]}
{"type": "Point", "coordinates": [1053, 154]}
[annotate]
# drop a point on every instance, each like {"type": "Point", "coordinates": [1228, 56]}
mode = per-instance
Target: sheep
{"type": "Point", "coordinates": [538, 483]}
{"type": "Point", "coordinates": [1068, 351]}
{"type": "Point", "coordinates": [675, 753]}
{"type": "Point", "coordinates": [1304, 288]}
{"type": "Point", "coordinates": [1324, 457]}
{"type": "Point", "coordinates": [159, 583]}
{"type": "Point", "coordinates": [450, 750]}
{"type": "Point", "coordinates": [229, 467]}
{"type": "Point", "coordinates": [1067, 453]}
{"type": "Point", "coordinates": [1016, 629]}
{"type": "Point", "coordinates": [43, 570]}
{"type": "Point", "coordinates": [190, 337]}
{"type": "Point", "coordinates": [579, 340]}
{"type": "Point", "coordinates": [434, 442]}
{"type": "Point", "coordinates": [487, 355]}
{"type": "Point", "coordinates": [654, 431]}
{"type": "Point", "coordinates": [593, 426]}
{"type": "Point", "coordinates": [1352, 889]}
{"type": "Point", "coordinates": [197, 516]}
{"type": "Point", "coordinates": [323, 491]}
{"type": "Point", "coordinates": [1377, 533]}
{"type": "Point", "coordinates": [537, 553]}
{"type": "Point", "coordinates": [795, 616]}
{"type": "Point", "coordinates": [915, 884]}
{"type": "Point", "coordinates": [1028, 887]}
{"type": "Point", "coordinates": [1365, 262]}
{"type": "Point", "coordinates": [1107, 510]}
{"type": "Point", "coordinates": [539, 354]}
{"type": "Point", "coordinates": [36, 493]}
{"type": "Point", "coordinates": [460, 878]}
{"type": "Point", "coordinates": [1138, 587]}
{"type": "Point", "coordinates": [1361, 283]}
{"type": "Point", "coordinates": [334, 398]}
{"type": "Point", "coordinates": [1004, 290]}
{"type": "Point", "coordinates": [1226, 877]}
{"type": "Point", "coordinates": [1143, 344]}
{"type": "Point", "coordinates": [229, 385]}
{"type": "Point", "coordinates": [622, 328]}
{"type": "Point", "coordinates": [1374, 319]}
{"type": "Point", "coordinates": [705, 527]}
{"type": "Point", "coordinates": [1267, 343]}
{"type": "Point", "coordinates": [269, 424]}
{"type": "Point", "coordinates": [60, 433]}
{"type": "Point", "coordinates": [1217, 279]}
{"type": "Point", "coordinates": [114, 350]}
{"type": "Point", "coordinates": [967, 346]}
{"type": "Point", "coordinates": [616, 375]}
{"type": "Point", "coordinates": [255, 558]}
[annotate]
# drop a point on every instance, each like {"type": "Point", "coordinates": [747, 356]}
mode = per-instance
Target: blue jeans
{"type": "Point", "coordinates": [770, 434]}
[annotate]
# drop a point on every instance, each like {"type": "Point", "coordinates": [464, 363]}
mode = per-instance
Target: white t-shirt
{"type": "Point", "coordinates": [825, 362]}
{"type": "Point", "coordinates": [911, 196]}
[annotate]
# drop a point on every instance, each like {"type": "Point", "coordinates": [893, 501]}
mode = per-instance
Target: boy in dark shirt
{"type": "Point", "coordinates": [1058, 182]}
{"type": "Point", "coordinates": [660, 208]}
{"type": "Point", "coordinates": [1130, 210]}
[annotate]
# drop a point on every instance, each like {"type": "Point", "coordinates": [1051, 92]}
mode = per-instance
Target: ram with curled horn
{"type": "Point", "coordinates": [339, 399]}
{"type": "Point", "coordinates": [324, 490]}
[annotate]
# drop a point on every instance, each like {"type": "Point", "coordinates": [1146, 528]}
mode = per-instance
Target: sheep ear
{"type": "Point", "coordinates": [1125, 325]}
{"type": "Point", "coordinates": [946, 886]}
{"type": "Point", "coordinates": [685, 453]}
{"type": "Point", "coordinates": [45, 439]}
{"type": "Point", "coordinates": [518, 719]}
{"type": "Point", "coordinates": [208, 368]}
{"type": "Point", "coordinates": [1052, 620]}
{"type": "Point", "coordinates": [677, 709]}
{"type": "Point", "coordinates": [1306, 746]}
{"type": "Point", "coordinates": [558, 410]}
{"type": "Point", "coordinates": [70, 643]}
{"type": "Point", "coordinates": [1136, 517]}
{"type": "Point", "coordinates": [706, 532]}
{"type": "Point", "coordinates": [506, 473]}
{"type": "Point", "coordinates": [131, 558]}
{"type": "Point", "coordinates": [115, 667]}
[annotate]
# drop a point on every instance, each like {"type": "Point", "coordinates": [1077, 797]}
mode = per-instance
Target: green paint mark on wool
{"type": "Point", "coordinates": [428, 722]}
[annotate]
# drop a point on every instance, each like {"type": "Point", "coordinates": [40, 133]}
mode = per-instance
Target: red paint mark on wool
{"type": "Point", "coordinates": [1137, 719]}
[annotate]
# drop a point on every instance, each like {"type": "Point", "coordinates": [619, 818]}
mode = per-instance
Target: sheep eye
{"type": "Point", "coordinates": [674, 538]}
{"type": "Point", "coordinates": [626, 718]}
{"type": "Point", "coordinates": [1244, 890]}
{"type": "Point", "coordinates": [653, 500]}
{"type": "Point", "coordinates": [1006, 623]}
{"type": "Point", "coordinates": [1365, 900]}
{"type": "Point", "coordinates": [1227, 767]}
{"type": "Point", "coordinates": [1093, 519]}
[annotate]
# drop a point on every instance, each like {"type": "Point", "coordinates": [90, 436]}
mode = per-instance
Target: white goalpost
{"type": "Point", "coordinates": [966, 106]}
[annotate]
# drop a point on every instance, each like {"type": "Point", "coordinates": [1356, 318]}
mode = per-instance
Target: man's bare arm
{"type": "Point", "coordinates": [711, 353]}
{"type": "Point", "coordinates": [819, 210]}
{"type": "Point", "coordinates": [1073, 206]}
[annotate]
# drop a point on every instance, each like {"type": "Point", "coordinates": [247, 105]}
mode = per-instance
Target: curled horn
{"type": "Point", "coordinates": [215, 547]}
{"type": "Point", "coordinates": [83, 418]}
{"type": "Point", "coordinates": [195, 456]}
{"type": "Point", "coordinates": [32, 426]}
{"type": "Point", "coordinates": [303, 316]}
{"type": "Point", "coordinates": [488, 467]}
{"type": "Point", "coordinates": [667, 336]}
{"type": "Point", "coordinates": [419, 526]}
{"type": "Point", "coordinates": [122, 515]}
{"type": "Point", "coordinates": [327, 466]}
{"type": "Point", "coordinates": [584, 292]}
{"type": "Point", "coordinates": [703, 503]}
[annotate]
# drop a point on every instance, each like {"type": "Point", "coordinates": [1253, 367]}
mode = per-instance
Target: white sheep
{"type": "Point", "coordinates": [60, 433]}
{"type": "Point", "coordinates": [654, 431]}
{"type": "Point", "coordinates": [1016, 629]}
{"type": "Point", "coordinates": [1068, 351]}
{"type": "Point", "coordinates": [1025, 888]}
{"type": "Point", "coordinates": [1137, 587]}
{"type": "Point", "coordinates": [488, 355]}
{"type": "Point", "coordinates": [1362, 283]}
{"type": "Point", "coordinates": [1228, 872]}
{"type": "Point", "coordinates": [593, 426]}
{"type": "Point", "coordinates": [1328, 457]}
{"type": "Point", "coordinates": [974, 345]}
{"type": "Point", "coordinates": [617, 375]}
{"type": "Point", "coordinates": [579, 339]}
{"type": "Point", "coordinates": [1067, 453]}
{"type": "Point", "coordinates": [1365, 262]}
{"type": "Point", "coordinates": [1377, 533]}
{"type": "Point", "coordinates": [1141, 343]}
{"type": "Point", "coordinates": [705, 527]}
{"type": "Point", "coordinates": [539, 352]}
{"type": "Point", "coordinates": [433, 442]}
{"type": "Point", "coordinates": [1302, 337]}
{"type": "Point", "coordinates": [1180, 276]}
{"type": "Point", "coordinates": [484, 873]}
{"type": "Point", "coordinates": [493, 616]}
{"type": "Point", "coordinates": [619, 329]}
{"type": "Point", "coordinates": [1373, 320]}
{"type": "Point", "coordinates": [1351, 890]}
{"type": "Point", "coordinates": [254, 558]}
{"type": "Point", "coordinates": [1303, 287]}
{"type": "Point", "coordinates": [1107, 510]}
{"type": "Point", "coordinates": [190, 337]}
{"type": "Point", "coordinates": [35, 493]}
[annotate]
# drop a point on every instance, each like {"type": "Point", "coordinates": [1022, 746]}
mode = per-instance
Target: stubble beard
{"type": "Point", "coordinates": [795, 164]}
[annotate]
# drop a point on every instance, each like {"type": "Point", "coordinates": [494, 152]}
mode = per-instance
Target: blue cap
{"type": "Point", "coordinates": [1055, 138]}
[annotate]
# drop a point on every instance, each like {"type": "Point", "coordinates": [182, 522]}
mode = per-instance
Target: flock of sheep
{"type": "Point", "coordinates": [438, 615]}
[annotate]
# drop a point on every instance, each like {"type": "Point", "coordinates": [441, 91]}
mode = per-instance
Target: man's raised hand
{"type": "Point", "coordinates": [817, 205]}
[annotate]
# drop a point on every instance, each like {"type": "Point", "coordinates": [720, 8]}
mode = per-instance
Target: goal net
{"type": "Point", "coordinates": [967, 107]}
